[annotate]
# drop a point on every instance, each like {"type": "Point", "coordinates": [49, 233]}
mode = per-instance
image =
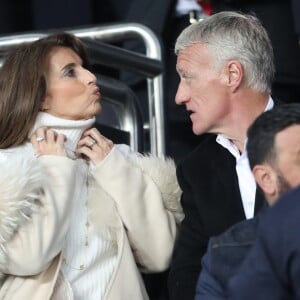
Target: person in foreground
{"type": "Point", "coordinates": [80, 216]}
{"type": "Point", "coordinates": [271, 270]}
{"type": "Point", "coordinates": [272, 146]}
{"type": "Point", "coordinates": [225, 64]}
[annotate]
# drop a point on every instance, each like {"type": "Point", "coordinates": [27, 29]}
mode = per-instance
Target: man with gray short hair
{"type": "Point", "coordinates": [225, 64]}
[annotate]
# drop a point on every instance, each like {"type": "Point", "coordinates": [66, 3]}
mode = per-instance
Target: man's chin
{"type": "Point", "coordinates": [198, 131]}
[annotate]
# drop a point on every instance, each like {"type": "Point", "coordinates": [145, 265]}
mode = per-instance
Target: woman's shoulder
{"type": "Point", "coordinates": [25, 151]}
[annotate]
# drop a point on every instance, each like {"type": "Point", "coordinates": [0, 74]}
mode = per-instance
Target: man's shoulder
{"type": "Point", "coordinates": [205, 153]}
{"type": "Point", "coordinates": [243, 232]}
{"type": "Point", "coordinates": [284, 214]}
{"type": "Point", "coordinates": [289, 200]}
{"type": "Point", "coordinates": [207, 146]}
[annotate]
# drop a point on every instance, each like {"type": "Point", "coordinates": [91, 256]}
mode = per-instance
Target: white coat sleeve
{"type": "Point", "coordinates": [150, 226]}
{"type": "Point", "coordinates": [36, 236]}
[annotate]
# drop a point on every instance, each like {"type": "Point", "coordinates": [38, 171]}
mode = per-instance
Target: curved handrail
{"type": "Point", "coordinates": [120, 32]}
{"type": "Point", "coordinates": [122, 59]}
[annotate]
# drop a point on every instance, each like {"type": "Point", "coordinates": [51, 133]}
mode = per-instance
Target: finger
{"type": "Point", "coordinates": [101, 140]}
{"type": "Point", "coordinates": [91, 142]}
{"type": "Point", "coordinates": [38, 137]}
{"type": "Point", "coordinates": [61, 138]}
{"type": "Point", "coordinates": [91, 131]}
{"type": "Point", "coordinates": [85, 150]}
{"type": "Point", "coordinates": [94, 133]}
{"type": "Point", "coordinates": [87, 141]}
{"type": "Point", "coordinates": [50, 136]}
{"type": "Point", "coordinates": [105, 143]}
{"type": "Point", "coordinates": [94, 154]}
{"type": "Point", "coordinates": [34, 141]}
{"type": "Point", "coordinates": [41, 132]}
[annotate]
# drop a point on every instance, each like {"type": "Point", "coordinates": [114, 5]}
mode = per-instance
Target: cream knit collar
{"type": "Point", "coordinates": [72, 129]}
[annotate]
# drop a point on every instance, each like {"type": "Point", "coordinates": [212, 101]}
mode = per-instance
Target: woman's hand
{"type": "Point", "coordinates": [46, 141]}
{"type": "Point", "coordinates": [94, 146]}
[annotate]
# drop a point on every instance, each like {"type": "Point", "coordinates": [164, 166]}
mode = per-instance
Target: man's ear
{"type": "Point", "coordinates": [234, 73]}
{"type": "Point", "coordinates": [266, 178]}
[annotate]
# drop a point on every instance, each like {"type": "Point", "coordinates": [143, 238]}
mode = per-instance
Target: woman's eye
{"type": "Point", "coordinates": [70, 73]}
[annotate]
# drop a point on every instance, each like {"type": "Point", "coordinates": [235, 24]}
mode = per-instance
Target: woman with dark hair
{"type": "Point", "coordinates": [79, 215]}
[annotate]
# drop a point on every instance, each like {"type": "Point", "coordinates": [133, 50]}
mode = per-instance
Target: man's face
{"type": "Point", "coordinates": [202, 90]}
{"type": "Point", "coordinates": [287, 145]}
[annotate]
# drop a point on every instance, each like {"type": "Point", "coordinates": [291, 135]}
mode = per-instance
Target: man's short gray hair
{"type": "Point", "coordinates": [234, 36]}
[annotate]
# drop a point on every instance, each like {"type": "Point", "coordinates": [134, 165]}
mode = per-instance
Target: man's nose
{"type": "Point", "coordinates": [181, 95]}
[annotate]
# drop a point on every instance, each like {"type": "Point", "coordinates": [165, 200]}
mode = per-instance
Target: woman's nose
{"type": "Point", "coordinates": [90, 77]}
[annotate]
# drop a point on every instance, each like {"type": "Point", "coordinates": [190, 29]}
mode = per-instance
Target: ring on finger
{"type": "Point", "coordinates": [40, 138]}
{"type": "Point", "coordinates": [92, 143]}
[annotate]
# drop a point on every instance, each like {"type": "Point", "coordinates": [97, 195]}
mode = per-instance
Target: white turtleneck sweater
{"type": "Point", "coordinates": [88, 258]}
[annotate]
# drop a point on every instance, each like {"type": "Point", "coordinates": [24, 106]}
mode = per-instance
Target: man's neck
{"type": "Point", "coordinates": [245, 111]}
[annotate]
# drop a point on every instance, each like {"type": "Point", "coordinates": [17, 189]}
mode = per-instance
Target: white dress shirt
{"type": "Point", "coordinates": [246, 179]}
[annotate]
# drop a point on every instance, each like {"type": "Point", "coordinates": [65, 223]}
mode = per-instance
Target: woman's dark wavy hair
{"type": "Point", "coordinates": [262, 133]}
{"type": "Point", "coordinates": [23, 84]}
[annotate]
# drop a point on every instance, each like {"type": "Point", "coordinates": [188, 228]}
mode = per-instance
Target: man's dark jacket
{"type": "Point", "coordinates": [224, 256]}
{"type": "Point", "coordinates": [271, 270]}
{"type": "Point", "coordinates": [212, 203]}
